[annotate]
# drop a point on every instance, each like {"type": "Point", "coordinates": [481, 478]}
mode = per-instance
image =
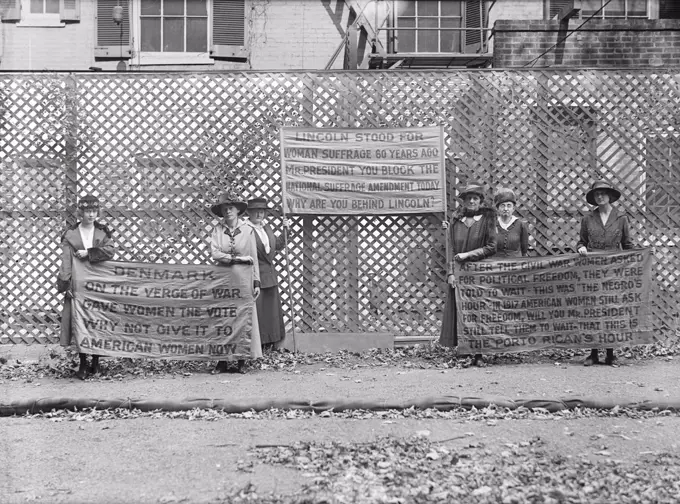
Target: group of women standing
{"type": "Point", "coordinates": [476, 232]}
{"type": "Point", "coordinates": [479, 232]}
{"type": "Point", "coordinates": [234, 240]}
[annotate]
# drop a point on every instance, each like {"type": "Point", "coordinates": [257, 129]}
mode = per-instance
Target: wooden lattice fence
{"type": "Point", "coordinates": [159, 148]}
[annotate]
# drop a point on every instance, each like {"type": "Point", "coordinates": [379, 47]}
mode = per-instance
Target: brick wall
{"type": "Point", "coordinates": [600, 43]}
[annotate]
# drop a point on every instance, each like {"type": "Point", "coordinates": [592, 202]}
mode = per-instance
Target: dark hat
{"type": "Point", "coordinates": [258, 204]}
{"type": "Point", "coordinates": [228, 199]}
{"type": "Point", "coordinates": [472, 188]}
{"type": "Point", "coordinates": [614, 194]}
{"type": "Point", "coordinates": [88, 202]}
{"type": "Point", "coordinates": [504, 196]}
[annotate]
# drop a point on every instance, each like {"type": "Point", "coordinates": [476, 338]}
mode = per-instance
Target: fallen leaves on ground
{"type": "Point", "coordinates": [419, 470]}
{"type": "Point", "coordinates": [61, 363]}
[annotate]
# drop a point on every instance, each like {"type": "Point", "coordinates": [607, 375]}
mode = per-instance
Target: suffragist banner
{"type": "Point", "coordinates": [568, 301]}
{"type": "Point", "coordinates": [363, 171]}
{"type": "Point", "coordinates": [188, 312]}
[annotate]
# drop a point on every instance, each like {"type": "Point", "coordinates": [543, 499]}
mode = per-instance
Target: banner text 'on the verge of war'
{"type": "Point", "coordinates": [190, 312]}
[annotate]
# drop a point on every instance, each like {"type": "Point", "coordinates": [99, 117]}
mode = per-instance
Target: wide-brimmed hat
{"type": "Point", "coordinates": [258, 204]}
{"type": "Point", "coordinates": [504, 196]}
{"type": "Point", "coordinates": [472, 188]}
{"type": "Point", "coordinates": [88, 202]}
{"type": "Point", "coordinates": [228, 199]}
{"type": "Point", "coordinates": [614, 194]}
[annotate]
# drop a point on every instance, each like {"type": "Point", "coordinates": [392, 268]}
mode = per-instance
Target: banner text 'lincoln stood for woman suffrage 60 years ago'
{"type": "Point", "coordinates": [569, 301]}
{"type": "Point", "coordinates": [363, 171]}
{"type": "Point", "coordinates": [188, 312]}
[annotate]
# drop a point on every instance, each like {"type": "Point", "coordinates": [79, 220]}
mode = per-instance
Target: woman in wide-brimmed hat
{"type": "Point", "coordinates": [473, 237]}
{"type": "Point", "coordinates": [603, 228]}
{"type": "Point", "coordinates": [513, 232]}
{"type": "Point", "coordinates": [88, 240]}
{"type": "Point", "coordinates": [269, 310]}
{"type": "Point", "coordinates": [233, 242]}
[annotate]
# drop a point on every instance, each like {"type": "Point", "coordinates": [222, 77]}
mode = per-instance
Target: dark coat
{"type": "Point", "coordinates": [615, 235]}
{"type": "Point", "coordinates": [102, 250]}
{"type": "Point", "coordinates": [514, 241]}
{"type": "Point", "coordinates": [480, 239]}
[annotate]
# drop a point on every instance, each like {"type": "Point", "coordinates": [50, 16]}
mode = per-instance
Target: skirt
{"type": "Point", "coordinates": [270, 315]}
{"type": "Point", "coordinates": [449, 334]}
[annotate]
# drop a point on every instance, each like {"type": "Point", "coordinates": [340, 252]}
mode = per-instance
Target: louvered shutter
{"type": "Point", "coordinates": [473, 19]}
{"type": "Point", "coordinates": [669, 9]}
{"type": "Point", "coordinates": [69, 10]}
{"type": "Point", "coordinates": [10, 10]}
{"type": "Point", "coordinates": [113, 41]}
{"type": "Point", "coordinates": [229, 29]}
{"type": "Point", "coordinates": [557, 5]}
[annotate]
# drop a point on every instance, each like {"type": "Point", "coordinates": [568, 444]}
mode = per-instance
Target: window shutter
{"type": "Point", "coordinates": [473, 19]}
{"type": "Point", "coordinates": [556, 6]}
{"type": "Point", "coordinates": [113, 41]}
{"type": "Point", "coordinates": [10, 10]}
{"type": "Point", "coordinates": [69, 10]}
{"type": "Point", "coordinates": [229, 29]}
{"type": "Point", "coordinates": [669, 9]}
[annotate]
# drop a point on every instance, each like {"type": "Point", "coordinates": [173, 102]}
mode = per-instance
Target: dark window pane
{"type": "Point", "coordinates": [428, 40]}
{"type": "Point", "coordinates": [428, 8]}
{"type": "Point", "coordinates": [173, 7]}
{"type": "Point", "coordinates": [37, 6]}
{"type": "Point", "coordinates": [151, 34]}
{"type": "Point", "coordinates": [452, 8]}
{"type": "Point", "coordinates": [173, 34]}
{"type": "Point", "coordinates": [151, 7]}
{"type": "Point", "coordinates": [52, 6]}
{"type": "Point", "coordinates": [197, 8]}
{"type": "Point", "coordinates": [406, 8]}
{"type": "Point", "coordinates": [197, 35]}
{"type": "Point", "coordinates": [450, 40]}
{"type": "Point", "coordinates": [406, 41]}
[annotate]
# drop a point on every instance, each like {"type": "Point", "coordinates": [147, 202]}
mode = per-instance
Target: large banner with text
{"type": "Point", "coordinates": [569, 301]}
{"type": "Point", "coordinates": [363, 171]}
{"type": "Point", "coordinates": [186, 312]}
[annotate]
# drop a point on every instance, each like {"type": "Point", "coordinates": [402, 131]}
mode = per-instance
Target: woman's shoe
{"type": "Point", "coordinates": [221, 367]}
{"type": "Point", "coordinates": [81, 374]}
{"type": "Point", "coordinates": [94, 369]}
{"type": "Point", "coordinates": [241, 367]}
{"type": "Point", "coordinates": [610, 359]}
{"type": "Point", "coordinates": [593, 358]}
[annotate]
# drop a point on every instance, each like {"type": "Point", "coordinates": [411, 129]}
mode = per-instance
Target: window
{"type": "Point", "coordinates": [43, 13]}
{"type": "Point", "coordinates": [174, 25]}
{"type": "Point", "coordinates": [433, 26]}
{"type": "Point", "coordinates": [44, 7]}
{"type": "Point", "coordinates": [173, 32]}
{"type": "Point", "coordinates": [622, 9]}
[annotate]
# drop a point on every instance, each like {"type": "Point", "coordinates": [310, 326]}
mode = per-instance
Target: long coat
{"type": "Point", "coordinates": [614, 235]}
{"type": "Point", "coordinates": [102, 249]}
{"type": "Point", "coordinates": [239, 242]}
{"type": "Point", "coordinates": [269, 310]}
{"type": "Point", "coordinates": [478, 239]}
{"type": "Point", "coordinates": [513, 241]}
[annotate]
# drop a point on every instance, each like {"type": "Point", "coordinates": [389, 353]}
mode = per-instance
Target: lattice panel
{"type": "Point", "coordinates": [159, 148]}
